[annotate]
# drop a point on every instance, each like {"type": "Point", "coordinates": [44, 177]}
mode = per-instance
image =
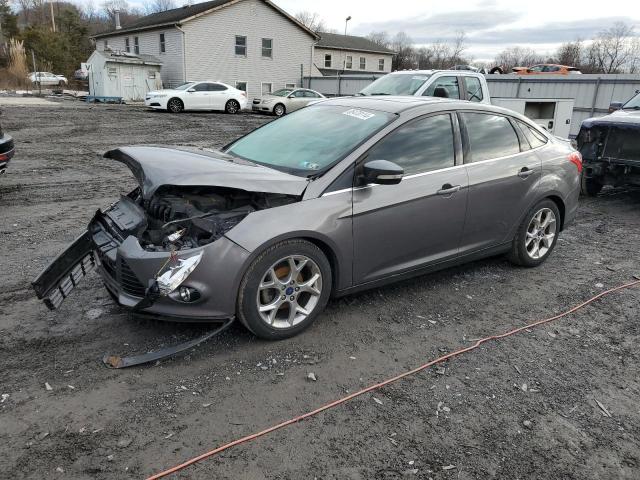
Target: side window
{"type": "Point", "coordinates": [445, 87]}
{"type": "Point", "coordinates": [216, 87]}
{"type": "Point", "coordinates": [242, 86]}
{"type": "Point", "coordinates": [127, 47]}
{"type": "Point", "coordinates": [474, 89]}
{"type": "Point", "coordinates": [363, 63]}
{"type": "Point", "coordinates": [201, 87]}
{"type": "Point", "coordinates": [349, 62]}
{"type": "Point", "coordinates": [419, 146]}
{"type": "Point", "coordinates": [310, 94]}
{"type": "Point", "coordinates": [490, 136]}
{"type": "Point", "coordinates": [136, 46]}
{"type": "Point", "coordinates": [298, 94]}
{"type": "Point", "coordinates": [267, 47]}
{"type": "Point", "coordinates": [162, 43]}
{"type": "Point", "coordinates": [535, 138]}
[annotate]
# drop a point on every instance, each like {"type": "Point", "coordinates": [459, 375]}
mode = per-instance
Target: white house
{"type": "Point", "coordinates": [251, 44]}
{"type": "Point", "coordinates": [348, 54]}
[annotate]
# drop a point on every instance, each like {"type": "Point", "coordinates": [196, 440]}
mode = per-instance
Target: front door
{"type": "Point", "coordinates": [503, 175]}
{"type": "Point", "coordinates": [398, 228]}
{"type": "Point", "coordinates": [199, 98]}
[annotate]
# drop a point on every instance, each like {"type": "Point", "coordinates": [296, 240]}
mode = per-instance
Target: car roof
{"type": "Point", "coordinates": [431, 72]}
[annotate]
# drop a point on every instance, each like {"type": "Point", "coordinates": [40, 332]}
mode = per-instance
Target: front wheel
{"type": "Point", "coordinates": [279, 110]}
{"type": "Point", "coordinates": [537, 235]}
{"type": "Point", "coordinates": [590, 186]}
{"type": "Point", "coordinates": [175, 105]}
{"type": "Point", "coordinates": [61, 83]}
{"type": "Point", "coordinates": [232, 106]}
{"type": "Point", "coordinates": [284, 290]}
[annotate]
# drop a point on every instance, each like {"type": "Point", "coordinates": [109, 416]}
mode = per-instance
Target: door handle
{"type": "Point", "coordinates": [525, 172]}
{"type": "Point", "coordinates": [448, 189]}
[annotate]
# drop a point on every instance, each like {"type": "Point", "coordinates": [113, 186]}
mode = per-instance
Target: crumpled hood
{"type": "Point", "coordinates": [155, 166]}
{"type": "Point", "coordinates": [619, 117]}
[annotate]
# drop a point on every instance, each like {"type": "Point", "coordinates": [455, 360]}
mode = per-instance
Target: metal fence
{"type": "Point", "coordinates": [339, 85]}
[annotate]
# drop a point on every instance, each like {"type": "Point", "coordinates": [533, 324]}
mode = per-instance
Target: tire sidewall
{"type": "Point", "coordinates": [247, 307]}
{"type": "Point", "coordinates": [519, 251]}
{"type": "Point", "coordinates": [229, 102]}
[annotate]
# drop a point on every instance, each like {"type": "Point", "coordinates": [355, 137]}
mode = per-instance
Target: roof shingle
{"type": "Point", "coordinates": [350, 42]}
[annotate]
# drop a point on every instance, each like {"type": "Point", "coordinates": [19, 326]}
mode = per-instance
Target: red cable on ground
{"type": "Point", "coordinates": [382, 384]}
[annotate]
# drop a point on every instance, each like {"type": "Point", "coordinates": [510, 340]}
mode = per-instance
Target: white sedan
{"type": "Point", "coordinates": [285, 100]}
{"type": "Point", "coordinates": [198, 96]}
{"type": "Point", "coordinates": [47, 79]}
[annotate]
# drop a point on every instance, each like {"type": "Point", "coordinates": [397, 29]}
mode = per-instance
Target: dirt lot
{"type": "Point", "coordinates": [521, 408]}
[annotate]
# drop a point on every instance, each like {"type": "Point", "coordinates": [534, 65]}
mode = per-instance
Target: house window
{"type": "Point", "coordinates": [242, 86]}
{"type": "Point", "coordinates": [267, 47]}
{"type": "Point", "coordinates": [136, 46]}
{"type": "Point", "coordinates": [241, 46]}
{"type": "Point", "coordinates": [327, 60]}
{"type": "Point", "coordinates": [381, 64]}
{"type": "Point", "coordinates": [363, 63]}
{"type": "Point", "coordinates": [127, 47]}
{"type": "Point", "coordinates": [162, 44]}
{"type": "Point", "coordinates": [289, 85]}
{"type": "Point", "coordinates": [267, 88]}
{"type": "Point", "coordinates": [348, 62]}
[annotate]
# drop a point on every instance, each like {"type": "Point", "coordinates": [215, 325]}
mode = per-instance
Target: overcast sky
{"type": "Point", "coordinates": [490, 25]}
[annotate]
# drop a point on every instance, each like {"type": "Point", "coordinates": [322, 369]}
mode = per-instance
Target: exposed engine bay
{"type": "Point", "coordinates": [179, 218]}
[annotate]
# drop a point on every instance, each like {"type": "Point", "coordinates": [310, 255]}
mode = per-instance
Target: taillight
{"type": "Point", "coordinates": [576, 159]}
{"type": "Point", "coordinates": [243, 93]}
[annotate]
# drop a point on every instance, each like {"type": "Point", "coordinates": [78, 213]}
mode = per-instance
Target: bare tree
{"type": "Point", "coordinates": [614, 49]}
{"type": "Point", "coordinates": [156, 6]}
{"type": "Point", "coordinates": [570, 53]}
{"type": "Point", "coordinates": [518, 57]}
{"type": "Point", "coordinates": [380, 38]}
{"type": "Point", "coordinates": [312, 21]}
{"type": "Point", "coordinates": [402, 45]}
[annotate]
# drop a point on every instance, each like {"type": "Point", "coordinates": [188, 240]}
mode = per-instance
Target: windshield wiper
{"type": "Point", "coordinates": [379, 93]}
{"type": "Point", "coordinates": [637, 107]}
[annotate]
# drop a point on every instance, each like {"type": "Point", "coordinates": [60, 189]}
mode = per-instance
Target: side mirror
{"type": "Point", "coordinates": [613, 106]}
{"type": "Point", "coordinates": [382, 172]}
{"type": "Point", "coordinates": [191, 90]}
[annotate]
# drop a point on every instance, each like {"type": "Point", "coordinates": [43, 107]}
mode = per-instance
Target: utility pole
{"type": "Point", "coordinates": [53, 20]}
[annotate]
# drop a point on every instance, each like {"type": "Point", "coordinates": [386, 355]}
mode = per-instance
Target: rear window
{"type": "Point", "coordinates": [490, 136]}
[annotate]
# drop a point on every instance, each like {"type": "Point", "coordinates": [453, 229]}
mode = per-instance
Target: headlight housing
{"type": "Point", "coordinates": [175, 276]}
{"type": "Point", "coordinates": [162, 95]}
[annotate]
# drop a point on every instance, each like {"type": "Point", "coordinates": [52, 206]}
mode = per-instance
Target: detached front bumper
{"type": "Point", "coordinates": [128, 271]}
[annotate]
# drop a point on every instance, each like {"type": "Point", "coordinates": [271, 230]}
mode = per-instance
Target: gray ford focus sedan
{"type": "Point", "coordinates": [340, 196]}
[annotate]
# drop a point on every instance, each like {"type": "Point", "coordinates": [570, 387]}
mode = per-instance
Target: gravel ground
{"type": "Point", "coordinates": [524, 407]}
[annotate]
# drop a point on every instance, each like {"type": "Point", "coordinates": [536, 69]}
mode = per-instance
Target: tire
{"type": "Point", "coordinates": [539, 222]}
{"type": "Point", "coordinates": [279, 110]}
{"type": "Point", "coordinates": [496, 71]}
{"type": "Point", "coordinates": [175, 105]}
{"type": "Point", "coordinates": [269, 282]}
{"type": "Point", "coordinates": [590, 186]}
{"type": "Point", "coordinates": [232, 107]}
{"type": "Point", "coordinates": [61, 83]}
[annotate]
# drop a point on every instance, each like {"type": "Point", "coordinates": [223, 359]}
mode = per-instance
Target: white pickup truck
{"type": "Point", "coordinates": [458, 84]}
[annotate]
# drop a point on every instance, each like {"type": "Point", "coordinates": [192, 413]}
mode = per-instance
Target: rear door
{"type": "Point", "coordinates": [503, 176]}
{"type": "Point", "coordinates": [398, 228]}
{"type": "Point", "coordinates": [218, 96]}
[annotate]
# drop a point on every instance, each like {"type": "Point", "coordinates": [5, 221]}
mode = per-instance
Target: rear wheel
{"type": "Point", "coordinates": [279, 110]}
{"type": "Point", "coordinates": [232, 106]}
{"type": "Point", "coordinates": [175, 105]}
{"type": "Point", "coordinates": [537, 235]}
{"type": "Point", "coordinates": [590, 186]}
{"type": "Point", "coordinates": [284, 290]}
{"type": "Point", "coordinates": [61, 83]}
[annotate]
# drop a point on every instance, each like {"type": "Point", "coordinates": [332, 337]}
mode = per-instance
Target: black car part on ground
{"type": "Point", "coordinates": [7, 150]}
{"type": "Point", "coordinates": [610, 153]}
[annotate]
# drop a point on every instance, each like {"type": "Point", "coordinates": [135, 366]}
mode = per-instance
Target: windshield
{"type": "Point", "coordinates": [310, 140]}
{"type": "Point", "coordinates": [185, 86]}
{"type": "Point", "coordinates": [283, 92]}
{"type": "Point", "coordinates": [634, 103]}
{"type": "Point", "coordinates": [398, 84]}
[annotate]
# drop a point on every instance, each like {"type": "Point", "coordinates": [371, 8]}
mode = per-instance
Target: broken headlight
{"type": "Point", "coordinates": [175, 276]}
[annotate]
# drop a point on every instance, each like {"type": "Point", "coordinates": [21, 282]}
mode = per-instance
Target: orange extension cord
{"type": "Point", "coordinates": [382, 384]}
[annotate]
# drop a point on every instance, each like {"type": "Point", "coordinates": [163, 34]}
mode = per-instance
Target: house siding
{"type": "Point", "coordinates": [210, 42]}
{"type": "Point", "coordinates": [149, 42]}
{"type": "Point", "coordinates": [339, 56]}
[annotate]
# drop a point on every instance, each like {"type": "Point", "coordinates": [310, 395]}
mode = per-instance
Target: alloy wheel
{"type": "Point", "coordinates": [232, 106]}
{"type": "Point", "coordinates": [289, 291]}
{"type": "Point", "coordinates": [541, 233]}
{"type": "Point", "coordinates": [175, 105]}
{"type": "Point", "coordinates": [278, 110]}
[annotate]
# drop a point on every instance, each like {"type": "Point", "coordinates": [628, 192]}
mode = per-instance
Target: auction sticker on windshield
{"type": "Point", "coordinates": [361, 114]}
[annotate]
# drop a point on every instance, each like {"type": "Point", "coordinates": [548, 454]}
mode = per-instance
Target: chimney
{"type": "Point", "coordinates": [116, 15]}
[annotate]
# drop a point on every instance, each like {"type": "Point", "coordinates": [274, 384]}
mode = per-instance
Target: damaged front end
{"type": "Point", "coordinates": [162, 248]}
{"type": "Point", "coordinates": [610, 151]}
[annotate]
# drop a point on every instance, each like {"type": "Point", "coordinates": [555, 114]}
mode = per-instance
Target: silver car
{"type": "Point", "coordinates": [371, 190]}
{"type": "Point", "coordinates": [285, 100]}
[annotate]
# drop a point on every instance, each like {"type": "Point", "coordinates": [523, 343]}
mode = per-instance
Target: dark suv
{"type": "Point", "coordinates": [610, 148]}
{"type": "Point", "coordinates": [6, 150]}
